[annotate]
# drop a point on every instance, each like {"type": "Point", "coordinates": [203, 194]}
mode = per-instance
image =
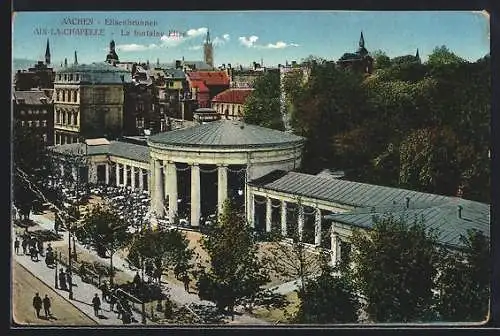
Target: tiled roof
{"type": "Point", "coordinates": [200, 85]}
{"type": "Point", "coordinates": [34, 97]}
{"type": "Point", "coordinates": [225, 133]}
{"type": "Point", "coordinates": [439, 212]}
{"type": "Point", "coordinates": [115, 148]}
{"type": "Point", "coordinates": [235, 96]}
{"type": "Point", "coordinates": [175, 73]}
{"type": "Point", "coordinates": [210, 77]}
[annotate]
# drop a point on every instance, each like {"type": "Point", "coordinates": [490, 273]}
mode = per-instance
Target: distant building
{"type": "Point", "coordinates": [88, 102]}
{"type": "Point", "coordinates": [229, 103]}
{"type": "Point", "coordinates": [112, 57]}
{"type": "Point", "coordinates": [359, 60]}
{"type": "Point", "coordinates": [34, 110]}
{"type": "Point", "coordinates": [40, 76]}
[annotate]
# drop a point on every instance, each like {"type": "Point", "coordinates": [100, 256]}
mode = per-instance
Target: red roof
{"type": "Point", "coordinates": [234, 96]}
{"type": "Point", "coordinates": [210, 77]}
{"type": "Point", "coordinates": [200, 85]}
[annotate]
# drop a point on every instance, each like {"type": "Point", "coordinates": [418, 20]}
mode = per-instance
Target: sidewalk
{"type": "Point", "coordinates": [82, 292]}
{"type": "Point", "coordinates": [176, 292]}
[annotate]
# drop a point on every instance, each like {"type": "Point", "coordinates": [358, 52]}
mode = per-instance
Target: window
{"type": "Point", "coordinates": [22, 123]}
{"type": "Point", "coordinates": [77, 77]}
{"type": "Point", "coordinates": [58, 93]}
{"type": "Point", "coordinates": [30, 123]}
{"type": "Point", "coordinates": [23, 112]}
{"type": "Point", "coordinates": [30, 112]}
{"type": "Point", "coordinates": [65, 77]}
{"type": "Point", "coordinates": [71, 77]}
{"type": "Point", "coordinates": [44, 137]}
{"type": "Point", "coordinates": [44, 123]}
{"type": "Point", "coordinates": [63, 95]}
{"type": "Point", "coordinates": [139, 122]}
{"type": "Point", "coordinates": [36, 111]}
{"type": "Point", "coordinates": [75, 95]}
{"type": "Point", "coordinates": [75, 118]}
{"type": "Point", "coordinates": [44, 111]}
{"type": "Point", "coordinates": [37, 123]}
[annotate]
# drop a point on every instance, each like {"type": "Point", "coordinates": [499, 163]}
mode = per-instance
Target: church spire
{"type": "Point", "coordinates": [361, 41]}
{"type": "Point", "coordinates": [76, 58]}
{"type": "Point", "coordinates": [47, 53]}
{"type": "Point", "coordinates": [417, 56]}
{"type": "Point", "coordinates": [208, 37]}
{"type": "Point", "coordinates": [65, 62]}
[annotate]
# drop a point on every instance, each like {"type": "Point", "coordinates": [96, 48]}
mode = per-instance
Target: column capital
{"type": "Point", "coordinates": [196, 164]}
{"type": "Point", "coordinates": [222, 165]}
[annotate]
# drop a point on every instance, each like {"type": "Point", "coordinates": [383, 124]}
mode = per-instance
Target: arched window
{"type": "Point", "coordinates": [75, 118]}
{"type": "Point", "coordinates": [75, 96]}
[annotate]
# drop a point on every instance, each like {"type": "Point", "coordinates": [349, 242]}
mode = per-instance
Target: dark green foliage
{"type": "Point", "coordinates": [464, 282]}
{"type": "Point", "coordinates": [328, 299]}
{"type": "Point", "coordinates": [263, 105]}
{"type": "Point", "coordinates": [366, 125]}
{"type": "Point", "coordinates": [105, 230]}
{"type": "Point", "coordinates": [235, 274]}
{"type": "Point", "coordinates": [166, 248]}
{"type": "Point", "coordinates": [396, 264]}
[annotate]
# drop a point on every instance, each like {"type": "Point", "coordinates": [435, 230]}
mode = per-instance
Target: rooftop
{"type": "Point", "coordinates": [97, 73]}
{"type": "Point", "coordinates": [210, 77]}
{"type": "Point", "coordinates": [233, 95]}
{"type": "Point", "coordinates": [114, 148]}
{"type": "Point", "coordinates": [33, 97]}
{"type": "Point", "coordinates": [438, 211]}
{"type": "Point", "coordinates": [225, 133]}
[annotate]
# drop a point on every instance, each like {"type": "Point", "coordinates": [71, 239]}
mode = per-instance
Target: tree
{"type": "Point", "coordinates": [107, 232]}
{"type": "Point", "coordinates": [235, 273]}
{"type": "Point", "coordinates": [464, 280]}
{"type": "Point", "coordinates": [380, 59]}
{"type": "Point", "coordinates": [329, 298]}
{"type": "Point", "coordinates": [165, 248]}
{"type": "Point", "coordinates": [293, 260]}
{"type": "Point", "coordinates": [262, 107]}
{"type": "Point", "coordinates": [442, 55]}
{"type": "Point", "coordinates": [395, 267]}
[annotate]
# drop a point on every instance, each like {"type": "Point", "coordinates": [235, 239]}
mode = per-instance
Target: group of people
{"type": "Point", "coordinates": [38, 303]}
{"type": "Point", "coordinates": [118, 303]}
{"type": "Point", "coordinates": [31, 246]}
{"type": "Point", "coordinates": [65, 279]}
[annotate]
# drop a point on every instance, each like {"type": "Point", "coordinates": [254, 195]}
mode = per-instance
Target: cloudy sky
{"type": "Point", "coordinates": [243, 37]}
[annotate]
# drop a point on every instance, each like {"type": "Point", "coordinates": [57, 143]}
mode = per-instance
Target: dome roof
{"type": "Point", "coordinates": [225, 133]}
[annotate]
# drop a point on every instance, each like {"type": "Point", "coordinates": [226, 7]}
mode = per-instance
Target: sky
{"type": "Point", "coordinates": [246, 36]}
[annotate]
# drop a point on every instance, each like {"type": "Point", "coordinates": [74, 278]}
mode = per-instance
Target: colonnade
{"type": "Point", "coordinates": [165, 186]}
{"type": "Point", "coordinates": [122, 179]}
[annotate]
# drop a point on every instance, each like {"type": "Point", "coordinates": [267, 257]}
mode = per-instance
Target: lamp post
{"type": "Point", "coordinates": [55, 276]}
{"type": "Point", "coordinates": [70, 263]}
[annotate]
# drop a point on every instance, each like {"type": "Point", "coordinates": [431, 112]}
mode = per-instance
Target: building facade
{"type": "Point", "coordinates": [229, 103]}
{"type": "Point", "coordinates": [88, 102]}
{"type": "Point", "coordinates": [34, 111]}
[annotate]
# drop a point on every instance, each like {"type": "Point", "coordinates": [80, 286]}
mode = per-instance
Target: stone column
{"type": "Point", "coordinates": [171, 185]}
{"type": "Point", "coordinates": [125, 175]}
{"type": "Point", "coordinates": [106, 174]}
{"type": "Point", "coordinates": [300, 221]}
{"type": "Point", "coordinates": [335, 241]}
{"type": "Point", "coordinates": [141, 179]}
{"type": "Point", "coordinates": [283, 218]}
{"type": "Point", "coordinates": [132, 174]}
{"type": "Point", "coordinates": [61, 166]}
{"type": "Point", "coordinates": [157, 186]}
{"type": "Point", "coordinates": [195, 195]}
{"type": "Point", "coordinates": [269, 210]}
{"type": "Point", "coordinates": [317, 227]}
{"type": "Point", "coordinates": [117, 169]}
{"type": "Point", "coordinates": [222, 186]}
{"type": "Point", "coordinates": [250, 208]}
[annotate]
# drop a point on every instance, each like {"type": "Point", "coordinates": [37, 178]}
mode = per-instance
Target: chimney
{"type": "Point", "coordinates": [460, 211]}
{"type": "Point", "coordinates": [407, 202]}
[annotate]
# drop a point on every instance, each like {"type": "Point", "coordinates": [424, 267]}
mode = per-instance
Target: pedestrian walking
{"type": "Point", "coordinates": [96, 303]}
{"type": "Point", "coordinates": [137, 280]}
{"type": "Point", "coordinates": [37, 304]}
{"type": "Point", "coordinates": [46, 306]}
{"type": "Point", "coordinates": [83, 272]}
{"type": "Point", "coordinates": [39, 245]}
{"type": "Point", "coordinates": [16, 246]}
{"type": "Point", "coordinates": [185, 280]}
{"type": "Point", "coordinates": [24, 245]}
{"type": "Point", "coordinates": [33, 253]}
{"type": "Point", "coordinates": [62, 280]}
{"type": "Point", "coordinates": [112, 302]}
{"type": "Point", "coordinates": [49, 247]}
{"type": "Point", "coordinates": [119, 309]}
{"type": "Point", "coordinates": [104, 291]}
{"type": "Point", "coordinates": [69, 279]}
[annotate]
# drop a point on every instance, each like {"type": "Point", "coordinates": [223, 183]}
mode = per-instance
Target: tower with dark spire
{"type": "Point", "coordinates": [65, 62]}
{"type": "Point", "coordinates": [47, 53]}
{"type": "Point", "coordinates": [362, 50]}
{"type": "Point", "coordinates": [417, 57]}
{"type": "Point", "coordinates": [112, 57]}
{"type": "Point", "coordinates": [208, 51]}
{"type": "Point", "coordinates": [76, 59]}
